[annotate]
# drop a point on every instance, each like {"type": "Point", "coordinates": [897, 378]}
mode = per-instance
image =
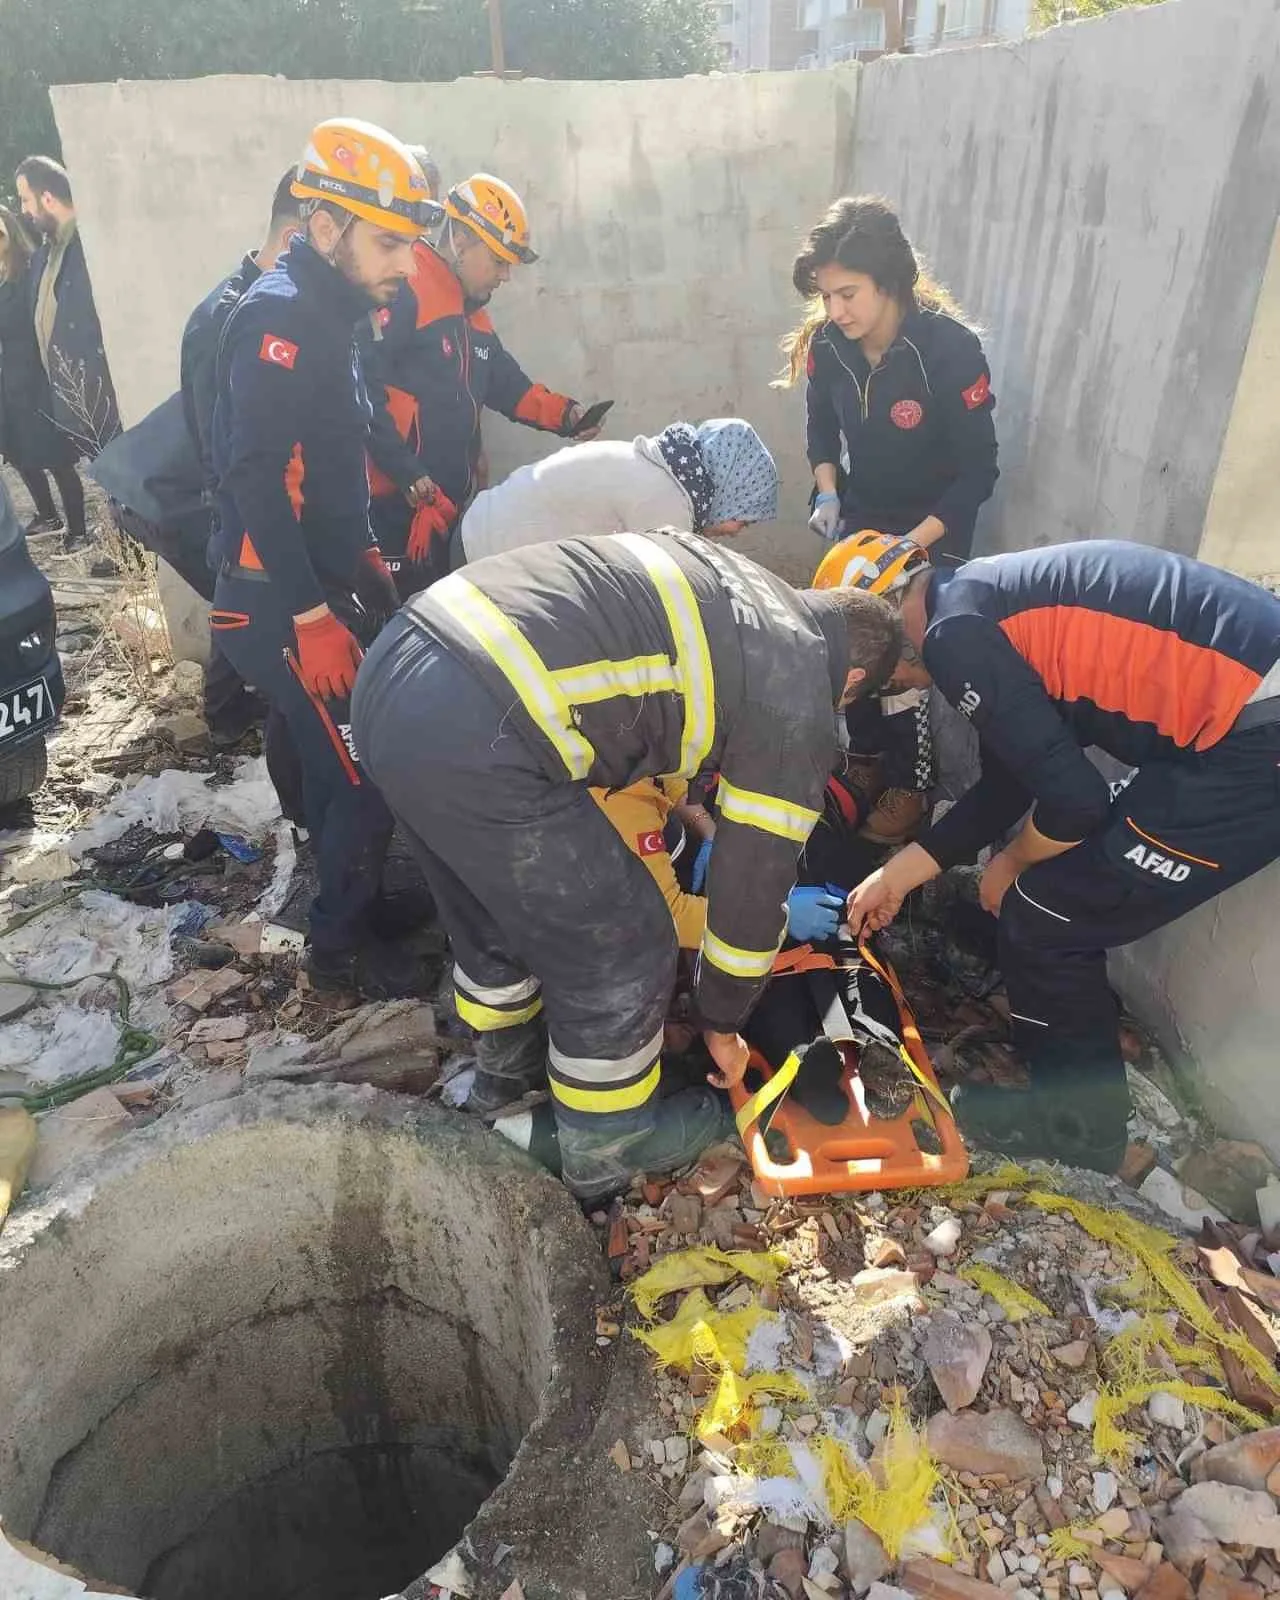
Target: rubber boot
{"type": "Point", "coordinates": [373, 969]}
{"type": "Point", "coordinates": [600, 1155]}
{"type": "Point", "coordinates": [510, 1062]}
{"type": "Point", "coordinates": [1080, 1123]}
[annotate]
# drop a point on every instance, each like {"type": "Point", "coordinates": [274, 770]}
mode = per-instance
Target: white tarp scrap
{"type": "Point", "coordinates": [185, 802]}
{"type": "Point", "coordinates": [22, 1578]}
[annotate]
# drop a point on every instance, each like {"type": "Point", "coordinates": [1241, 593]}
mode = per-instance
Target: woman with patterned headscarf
{"type": "Point", "coordinates": [713, 480]}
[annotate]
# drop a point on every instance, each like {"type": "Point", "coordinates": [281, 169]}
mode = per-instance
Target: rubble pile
{"type": "Point", "coordinates": [1009, 1388]}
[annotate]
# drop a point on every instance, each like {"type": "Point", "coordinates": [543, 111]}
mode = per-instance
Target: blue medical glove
{"type": "Point", "coordinates": [813, 914]}
{"type": "Point", "coordinates": [825, 521]}
{"type": "Point", "coordinates": [700, 864]}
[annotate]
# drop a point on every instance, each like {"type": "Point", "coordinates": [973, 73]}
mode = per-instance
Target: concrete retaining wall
{"type": "Point", "coordinates": [667, 215]}
{"type": "Point", "coordinates": [1102, 199]}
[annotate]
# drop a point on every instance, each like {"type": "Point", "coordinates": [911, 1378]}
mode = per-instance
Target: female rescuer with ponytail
{"type": "Point", "coordinates": [898, 387]}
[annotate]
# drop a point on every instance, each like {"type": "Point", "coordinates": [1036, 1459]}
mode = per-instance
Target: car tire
{"type": "Point", "coordinates": [23, 771]}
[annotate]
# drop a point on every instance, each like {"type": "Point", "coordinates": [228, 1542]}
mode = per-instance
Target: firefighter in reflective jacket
{"type": "Point", "coordinates": [433, 362]}
{"type": "Point", "coordinates": [488, 706]}
{"type": "Point", "coordinates": [293, 540]}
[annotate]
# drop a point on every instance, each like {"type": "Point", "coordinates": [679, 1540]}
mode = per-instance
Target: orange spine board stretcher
{"type": "Point", "coordinates": [863, 1152]}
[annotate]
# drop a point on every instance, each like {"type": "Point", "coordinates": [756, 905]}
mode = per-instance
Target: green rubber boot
{"type": "Point", "coordinates": [1080, 1125]}
{"type": "Point", "coordinates": [600, 1155]}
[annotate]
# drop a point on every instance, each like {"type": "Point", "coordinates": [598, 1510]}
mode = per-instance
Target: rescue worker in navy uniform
{"type": "Point", "coordinates": [485, 710]}
{"type": "Point", "coordinates": [289, 434]}
{"type": "Point", "coordinates": [434, 362]}
{"type": "Point", "coordinates": [229, 708]}
{"type": "Point", "coordinates": [199, 352]}
{"type": "Point", "coordinates": [896, 382]}
{"type": "Point", "coordinates": [901, 434]}
{"type": "Point", "coordinates": [1168, 665]}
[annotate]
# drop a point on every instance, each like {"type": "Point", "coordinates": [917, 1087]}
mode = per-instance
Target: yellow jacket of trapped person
{"type": "Point", "coordinates": [639, 813]}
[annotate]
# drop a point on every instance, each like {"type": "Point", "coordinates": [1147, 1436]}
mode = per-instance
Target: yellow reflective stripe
{"type": "Point", "coordinates": [487, 1019]}
{"type": "Point", "coordinates": [606, 680]}
{"type": "Point", "coordinates": [626, 1098]}
{"type": "Point", "coordinates": [694, 677]}
{"type": "Point", "coordinates": [516, 658]}
{"type": "Point", "coordinates": [762, 811]}
{"type": "Point", "coordinates": [738, 963]}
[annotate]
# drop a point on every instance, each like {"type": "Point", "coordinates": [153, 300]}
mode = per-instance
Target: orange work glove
{"type": "Point", "coordinates": [328, 656]}
{"type": "Point", "coordinates": [432, 520]}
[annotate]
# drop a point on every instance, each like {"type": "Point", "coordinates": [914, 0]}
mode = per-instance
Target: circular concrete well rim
{"type": "Point", "coordinates": [333, 1180]}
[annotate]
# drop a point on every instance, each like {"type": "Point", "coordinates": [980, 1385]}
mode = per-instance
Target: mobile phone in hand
{"type": "Point", "coordinates": [592, 417]}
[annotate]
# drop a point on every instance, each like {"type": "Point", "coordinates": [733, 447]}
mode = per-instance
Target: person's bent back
{"type": "Point", "coordinates": [714, 480]}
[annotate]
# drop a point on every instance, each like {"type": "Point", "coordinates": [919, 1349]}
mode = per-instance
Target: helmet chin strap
{"type": "Point", "coordinates": [348, 217]}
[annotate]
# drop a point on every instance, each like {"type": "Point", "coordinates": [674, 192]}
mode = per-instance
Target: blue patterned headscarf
{"type": "Point", "coordinates": [678, 446]}
{"type": "Point", "coordinates": [724, 468]}
{"type": "Point", "coordinates": [744, 480]}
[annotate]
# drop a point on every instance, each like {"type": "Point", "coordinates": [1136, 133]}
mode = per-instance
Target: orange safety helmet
{"type": "Point", "coordinates": [367, 171]}
{"type": "Point", "coordinates": [876, 562]}
{"type": "Point", "coordinates": [493, 210]}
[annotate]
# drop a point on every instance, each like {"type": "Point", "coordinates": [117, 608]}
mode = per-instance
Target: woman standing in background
{"type": "Point", "coordinates": [898, 387]}
{"type": "Point", "coordinates": [29, 440]}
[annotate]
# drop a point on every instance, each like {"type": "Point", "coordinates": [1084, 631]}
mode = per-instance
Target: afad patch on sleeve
{"type": "Point", "coordinates": [978, 394]}
{"type": "Point", "coordinates": [277, 352]}
{"type": "Point", "coordinates": [650, 844]}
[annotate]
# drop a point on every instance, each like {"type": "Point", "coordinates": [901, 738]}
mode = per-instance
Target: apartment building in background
{"type": "Point", "coordinates": [761, 35]}
{"type": "Point", "coordinates": [778, 35]}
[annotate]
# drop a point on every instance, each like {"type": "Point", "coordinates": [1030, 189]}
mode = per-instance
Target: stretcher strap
{"type": "Point", "coordinates": [890, 978]}
{"type": "Point", "coordinates": [762, 1099]}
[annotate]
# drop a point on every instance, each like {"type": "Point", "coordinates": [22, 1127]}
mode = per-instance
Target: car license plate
{"type": "Point", "coordinates": [24, 709]}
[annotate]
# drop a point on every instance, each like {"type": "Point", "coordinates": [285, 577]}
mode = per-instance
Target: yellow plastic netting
{"type": "Point", "coordinates": [897, 1496]}
{"type": "Point", "coordinates": [1134, 1374]}
{"type": "Point", "coordinates": [764, 1457]}
{"type": "Point", "coordinates": [1158, 1281]}
{"type": "Point", "coordinates": [699, 1334]}
{"type": "Point", "coordinates": [737, 1399]}
{"type": "Point", "coordinates": [1065, 1544]}
{"type": "Point", "coordinates": [690, 1269]}
{"type": "Point", "coordinates": [1016, 1303]}
{"type": "Point", "coordinates": [1008, 1176]}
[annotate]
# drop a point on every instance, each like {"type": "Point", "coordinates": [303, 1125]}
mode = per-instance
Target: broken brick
{"type": "Point", "coordinates": [930, 1580]}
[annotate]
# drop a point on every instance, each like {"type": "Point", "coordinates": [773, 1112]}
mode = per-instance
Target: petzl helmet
{"type": "Point", "coordinates": [876, 562]}
{"type": "Point", "coordinates": [493, 210]}
{"type": "Point", "coordinates": [367, 171]}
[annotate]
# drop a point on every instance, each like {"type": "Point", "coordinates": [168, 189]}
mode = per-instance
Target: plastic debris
{"type": "Point", "coordinates": [690, 1269]}
{"type": "Point", "coordinates": [28, 1574]}
{"type": "Point", "coordinates": [240, 848]}
{"type": "Point", "coordinates": [1016, 1303]}
{"type": "Point", "coordinates": [183, 802]}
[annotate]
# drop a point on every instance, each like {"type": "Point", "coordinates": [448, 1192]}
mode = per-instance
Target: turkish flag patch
{"type": "Point", "coordinates": [978, 395]}
{"type": "Point", "coordinates": [810, 364]}
{"type": "Point", "coordinates": [650, 844]}
{"type": "Point", "coordinates": [906, 414]}
{"type": "Point", "coordinates": [277, 352]}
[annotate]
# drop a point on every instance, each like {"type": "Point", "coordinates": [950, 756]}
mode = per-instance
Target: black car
{"type": "Point", "coordinates": [31, 687]}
